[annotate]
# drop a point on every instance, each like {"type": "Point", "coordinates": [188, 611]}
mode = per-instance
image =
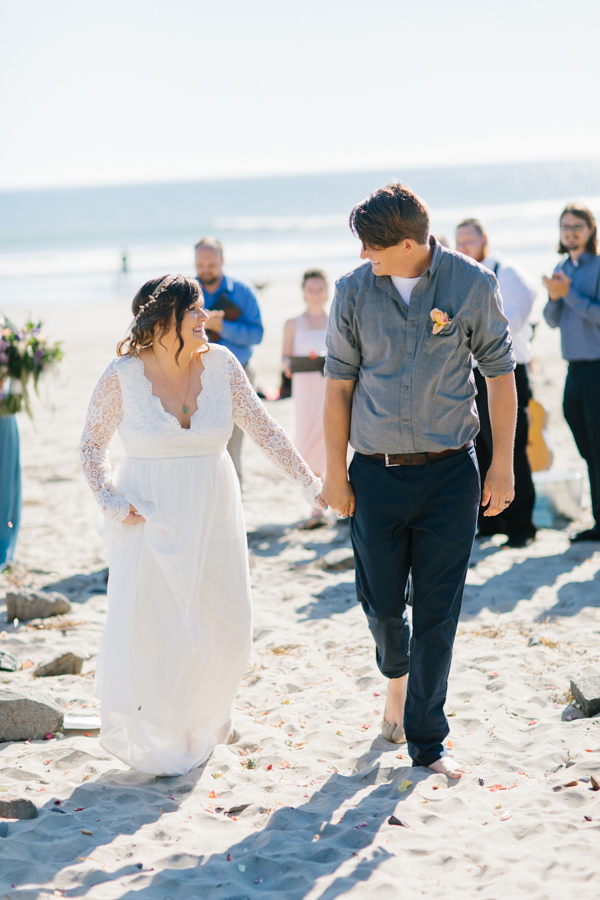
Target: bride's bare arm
{"type": "Point", "coordinates": [103, 417]}
{"type": "Point", "coordinates": [252, 417]}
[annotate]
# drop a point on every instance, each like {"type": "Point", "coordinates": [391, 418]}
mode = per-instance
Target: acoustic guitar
{"type": "Point", "coordinates": [539, 446]}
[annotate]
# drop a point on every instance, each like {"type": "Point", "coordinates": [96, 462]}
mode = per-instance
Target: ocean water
{"type": "Point", "coordinates": [65, 246]}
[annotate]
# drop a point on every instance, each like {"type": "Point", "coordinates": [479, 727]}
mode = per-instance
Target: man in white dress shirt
{"type": "Point", "coordinates": [518, 296]}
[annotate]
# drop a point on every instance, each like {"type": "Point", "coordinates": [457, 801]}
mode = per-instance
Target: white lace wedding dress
{"type": "Point", "coordinates": [178, 632]}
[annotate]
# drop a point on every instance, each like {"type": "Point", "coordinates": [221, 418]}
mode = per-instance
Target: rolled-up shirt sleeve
{"type": "Point", "coordinates": [343, 353]}
{"type": "Point", "coordinates": [491, 344]}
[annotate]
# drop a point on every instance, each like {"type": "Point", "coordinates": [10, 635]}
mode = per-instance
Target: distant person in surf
{"type": "Point", "coordinates": [574, 307]}
{"type": "Point", "coordinates": [233, 318]}
{"type": "Point", "coordinates": [517, 295]}
{"type": "Point", "coordinates": [304, 351]}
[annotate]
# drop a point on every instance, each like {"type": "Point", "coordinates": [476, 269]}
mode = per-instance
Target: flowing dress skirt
{"type": "Point", "coordinates": [10, 488]}
{"type": "Point", "coordinates": [178, 633]}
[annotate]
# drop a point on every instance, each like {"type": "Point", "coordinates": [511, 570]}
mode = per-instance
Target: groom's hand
{"type": "Point", "coordinates": [498, 490]}
{"type": "Point", "coordinates": [339, 495]}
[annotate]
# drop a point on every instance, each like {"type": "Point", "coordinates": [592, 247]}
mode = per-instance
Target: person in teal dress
{"type": "Point", "coordinates": [10, 488]}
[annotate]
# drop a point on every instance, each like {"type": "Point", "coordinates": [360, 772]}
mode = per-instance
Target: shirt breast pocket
{"type": "Point", "coordinates": [445, 342]}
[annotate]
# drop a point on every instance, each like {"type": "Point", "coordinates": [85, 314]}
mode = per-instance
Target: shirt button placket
{"type": "Point", "coordinates": [411, 340]}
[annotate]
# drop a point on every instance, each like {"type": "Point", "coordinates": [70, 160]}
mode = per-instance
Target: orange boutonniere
{"type": "Point", "coordinates": [440, 320]}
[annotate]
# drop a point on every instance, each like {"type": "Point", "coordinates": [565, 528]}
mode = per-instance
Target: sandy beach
{"type": "Point", "coordinates": [300, 807]}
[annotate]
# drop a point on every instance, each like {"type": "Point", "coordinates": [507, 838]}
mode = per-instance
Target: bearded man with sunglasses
{"type": "Point", "coordinates": [574, 307]}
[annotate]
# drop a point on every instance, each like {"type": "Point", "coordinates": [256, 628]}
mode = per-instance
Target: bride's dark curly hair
{"type": "Point", "coordinates": [154, 318]}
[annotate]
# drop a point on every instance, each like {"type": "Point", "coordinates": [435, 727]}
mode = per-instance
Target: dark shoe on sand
{"type": "Point", "coordinates": [517, 541]}
{"type": "Point", "coordinates": [591, 534]}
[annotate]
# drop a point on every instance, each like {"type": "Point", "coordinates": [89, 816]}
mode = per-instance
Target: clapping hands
{"type": "Point", "coordinates": [558, 286]}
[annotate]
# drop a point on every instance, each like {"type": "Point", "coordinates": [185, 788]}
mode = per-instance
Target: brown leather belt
{"type": "Point", "coordinates": [414, 459]}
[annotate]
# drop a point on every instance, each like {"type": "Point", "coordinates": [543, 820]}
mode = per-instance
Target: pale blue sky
{"type": "Point", "coordinates": [171, 90]}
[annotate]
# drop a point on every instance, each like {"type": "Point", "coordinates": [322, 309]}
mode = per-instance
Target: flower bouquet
{"type": "Point", "coordinates": [24, 355]}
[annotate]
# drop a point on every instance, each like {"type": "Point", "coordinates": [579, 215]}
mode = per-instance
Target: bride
{"type": "Point", "coordinates": [178, 633]}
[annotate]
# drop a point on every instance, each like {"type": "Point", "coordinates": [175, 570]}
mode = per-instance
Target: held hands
{"type": "Point", "coordinates": [339, 496]}
{"type": "Point", "coordinates": [320, 503]}
{"type": "Point", "coordinates": [498, 489]}
{"type": "Point", "coordinates": [558, 286]}
{"type": "Point", "coordinates": [134, 517]}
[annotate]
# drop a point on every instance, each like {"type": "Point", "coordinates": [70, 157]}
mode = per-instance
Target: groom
{"type": "Point", "coordinates": [400, 389]}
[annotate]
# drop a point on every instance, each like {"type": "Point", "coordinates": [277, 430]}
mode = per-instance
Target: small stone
{"type": "Point", "coordinates": [340, 560]}
{"type": "Point", "coordinates": [595, 782]}
{"type": "Point", "coordinates": [394, 820]}
{"type": "Point", "coordinates": [28, 604]}
{"type": "Point", "coordinates": [587, 694]}
{"type": "Point", "coordinates": [18, 809]}
{"type": "Point", "coordinates": [24, 717]}
{"type": "Point", "coordinates": [66, 664]}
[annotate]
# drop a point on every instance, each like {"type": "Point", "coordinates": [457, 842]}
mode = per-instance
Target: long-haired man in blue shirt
{"type": "Point", "coordinates": [233, 317]}
{"type": "Point", "coordinates": [574, 307]}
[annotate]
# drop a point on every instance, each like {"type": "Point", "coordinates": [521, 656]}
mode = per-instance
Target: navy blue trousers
{"type": "Point", "coordinates": [419, 518]}
{"type": "Point", "coordinates": [581, 406]}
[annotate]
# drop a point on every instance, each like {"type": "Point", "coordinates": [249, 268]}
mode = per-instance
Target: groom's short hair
{"type": "Point", "coordinates": [389, 216]}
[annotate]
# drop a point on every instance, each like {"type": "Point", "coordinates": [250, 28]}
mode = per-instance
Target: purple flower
{"type": "Point", "coordinates": [3, 357]}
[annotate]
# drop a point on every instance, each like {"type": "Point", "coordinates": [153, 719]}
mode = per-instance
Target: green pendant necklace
{"type": "Point", "coordinates": [184, 406]}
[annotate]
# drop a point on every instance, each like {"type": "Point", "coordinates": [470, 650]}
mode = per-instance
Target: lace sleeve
{"type": "Point", "coordinates": [252, 417]}
{"type": "Point", "coordinates": [103, 417]}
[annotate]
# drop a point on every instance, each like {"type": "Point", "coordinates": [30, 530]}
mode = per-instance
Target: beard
{"type": "Point", "coordinates": [209, 282]}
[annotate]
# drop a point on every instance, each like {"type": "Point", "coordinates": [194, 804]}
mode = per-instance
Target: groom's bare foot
{"type": "Point", "coordinates": [393, 715]}
{"type": "Point", "coordinates": [446, 765]}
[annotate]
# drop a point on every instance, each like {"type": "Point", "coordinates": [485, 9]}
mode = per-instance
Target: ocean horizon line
{"type": "Point", "coordinates": [384, 171]}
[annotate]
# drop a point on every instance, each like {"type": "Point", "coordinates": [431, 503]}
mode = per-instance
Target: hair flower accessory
{"type": "Point", "coordinates": [440, 320]}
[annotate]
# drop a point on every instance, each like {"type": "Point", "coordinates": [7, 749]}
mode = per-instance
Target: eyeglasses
{"type": "Point", "coordinates": [571, 227]}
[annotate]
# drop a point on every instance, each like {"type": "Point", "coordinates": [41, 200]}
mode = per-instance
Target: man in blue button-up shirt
{"type": "Point", "coordinates": [574, 307]}
{"type": "Point", "coordinates": [234, 317]}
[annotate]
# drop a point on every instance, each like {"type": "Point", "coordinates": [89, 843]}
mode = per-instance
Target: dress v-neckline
{"type": "Point", "coordinates": [150, 388]}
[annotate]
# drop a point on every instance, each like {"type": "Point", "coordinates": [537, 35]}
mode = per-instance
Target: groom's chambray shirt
{"type": "Point", "coordinates": [415, 390]}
